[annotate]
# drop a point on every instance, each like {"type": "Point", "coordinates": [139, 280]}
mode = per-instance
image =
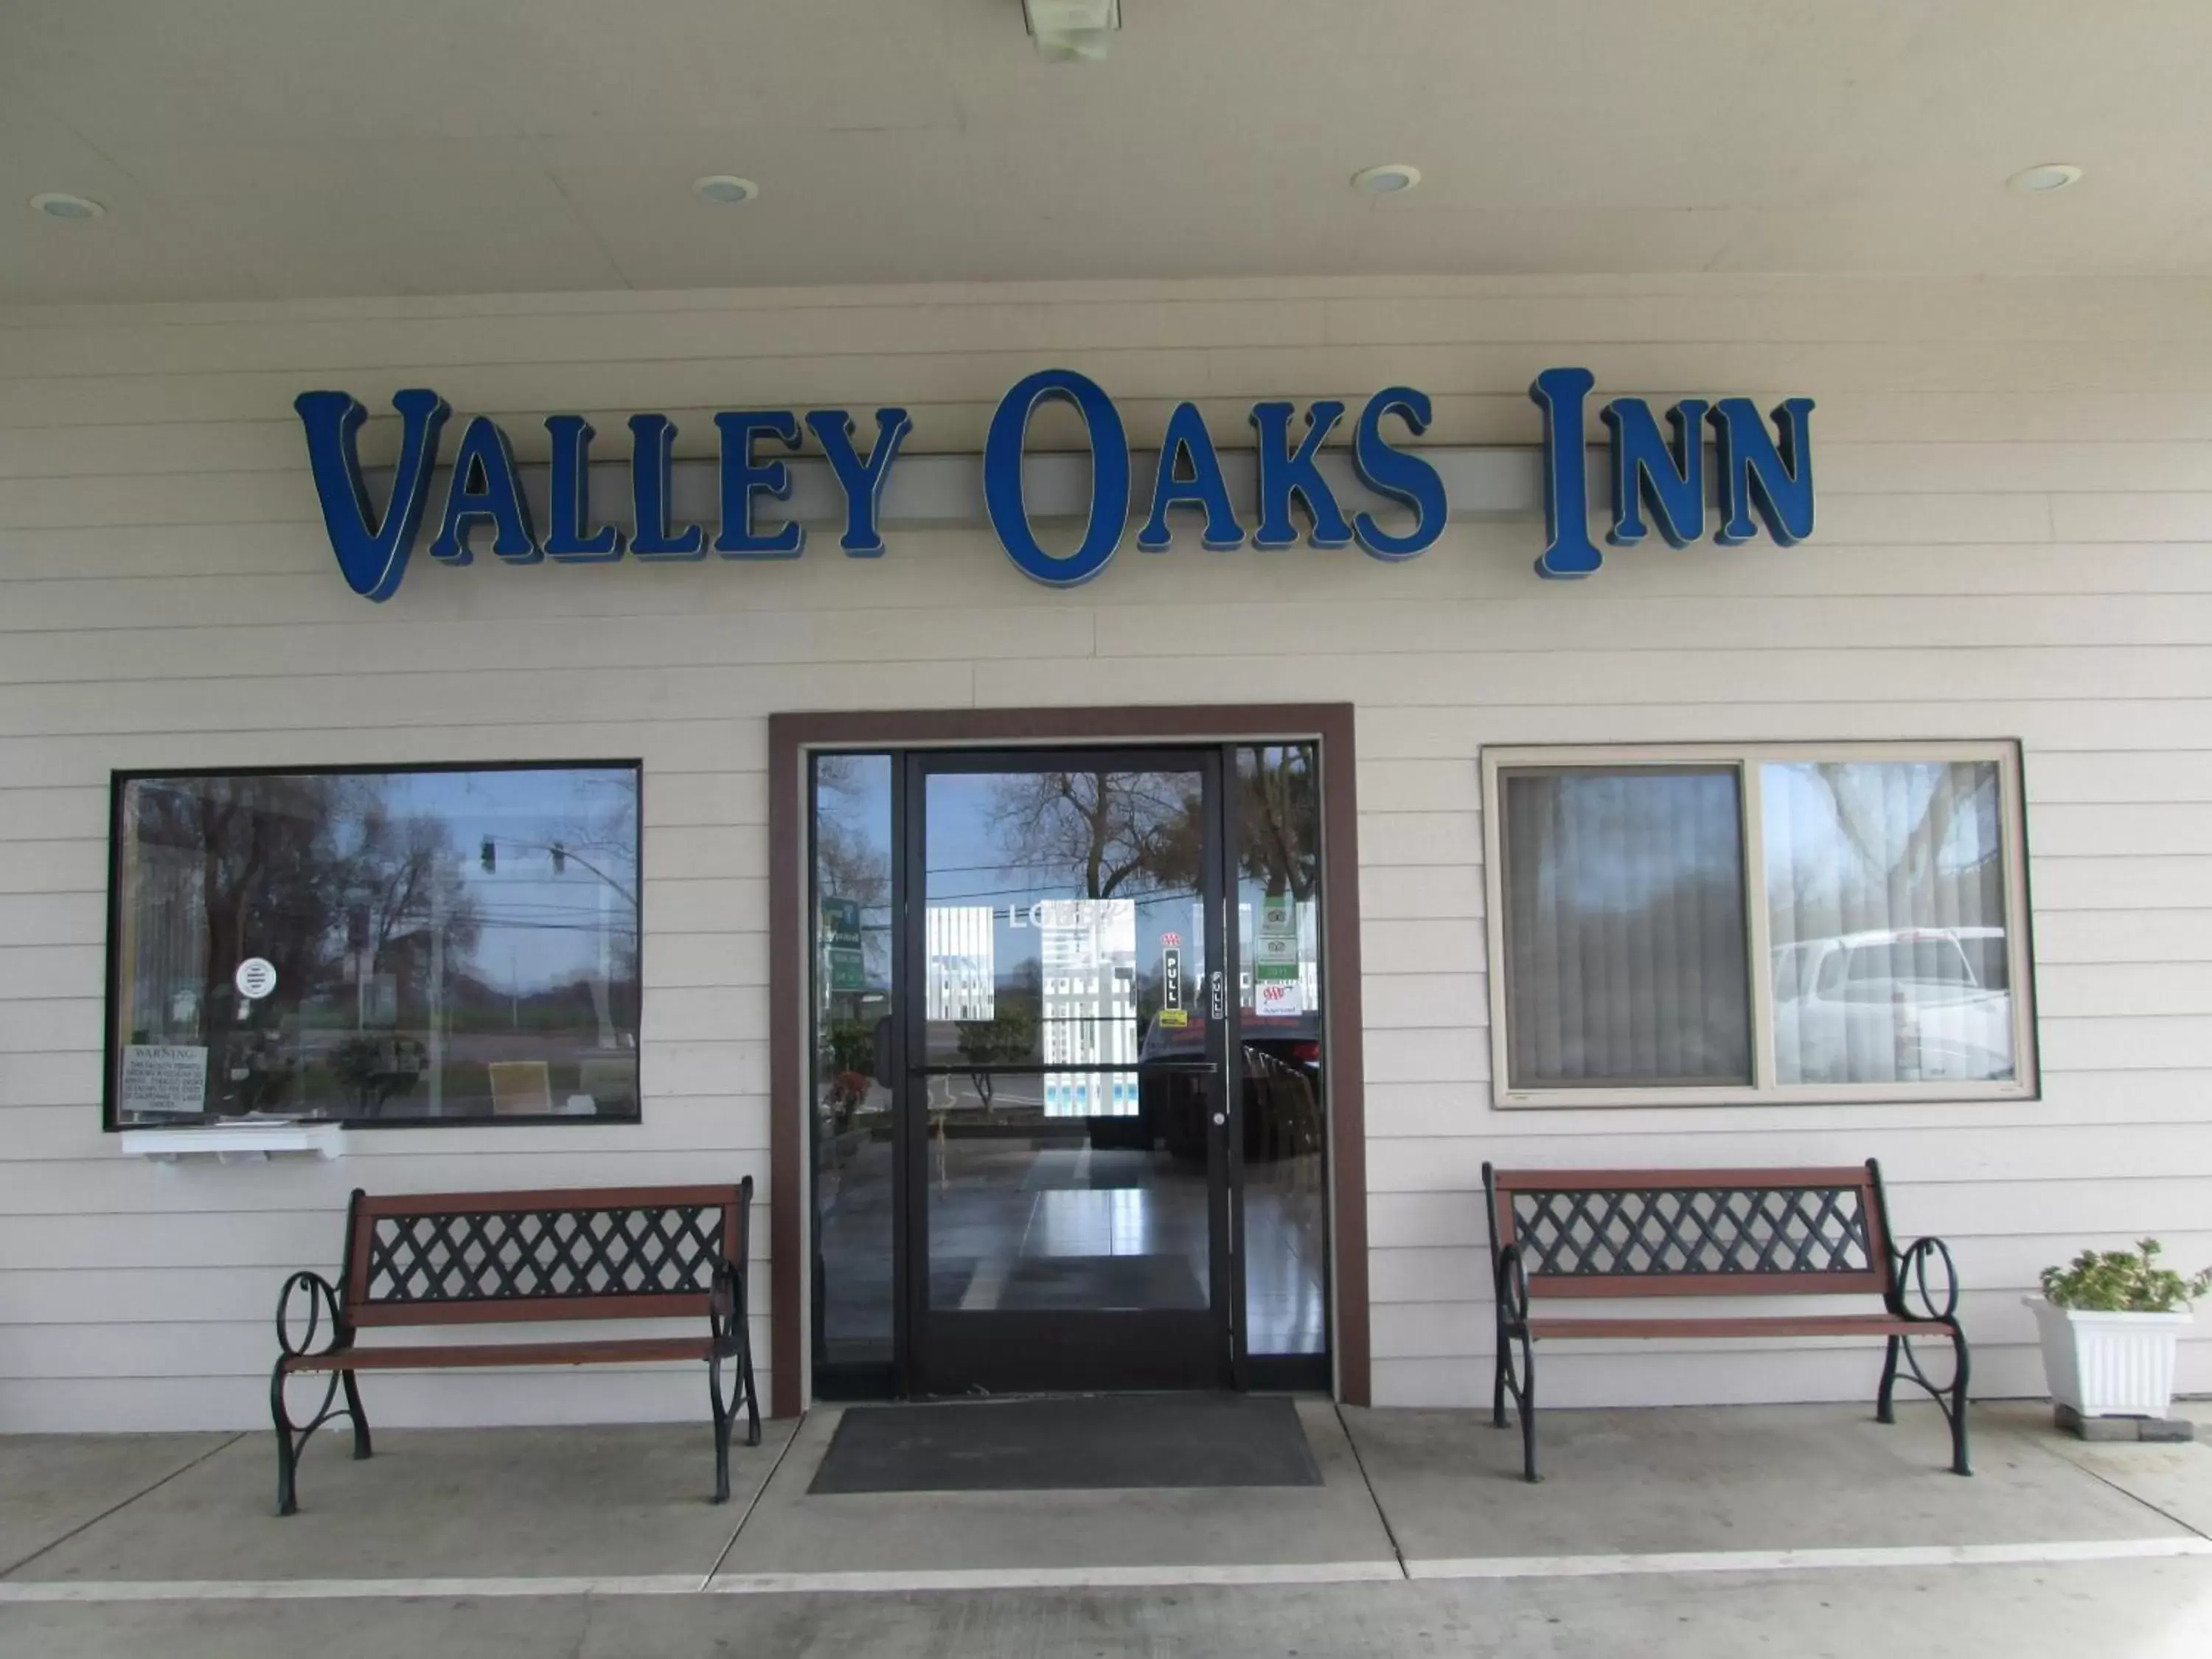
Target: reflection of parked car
{"type": "Point", "coordinates": [1913, 1005]}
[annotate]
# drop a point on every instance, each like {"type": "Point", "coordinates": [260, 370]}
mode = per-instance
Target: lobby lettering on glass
{"type": "Point", "coordinates": [1762, 477]}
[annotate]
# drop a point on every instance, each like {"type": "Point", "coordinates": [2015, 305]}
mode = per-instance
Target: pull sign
{"type": "Point", "coordinates": [1171, 976]}
{"type": "Point", "coordinates": [1220, 1002]}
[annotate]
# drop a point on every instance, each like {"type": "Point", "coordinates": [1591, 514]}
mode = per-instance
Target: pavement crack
{"type": "Point", "coordinates": [1373, 1497]}
{"type": "Point", "coordinates": [51, 1544]}
{"type": "Point", "coordinates": [2188, 1527]}
{"type": "Point", "coordinates": [759, 1492]}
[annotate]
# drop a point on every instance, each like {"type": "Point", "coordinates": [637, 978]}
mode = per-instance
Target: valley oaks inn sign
{"type": "Point", "coordinates": [1762, 472]}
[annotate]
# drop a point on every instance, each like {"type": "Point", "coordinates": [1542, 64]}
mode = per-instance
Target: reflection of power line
{"type": "Point", "coordinates": [1150, 896]}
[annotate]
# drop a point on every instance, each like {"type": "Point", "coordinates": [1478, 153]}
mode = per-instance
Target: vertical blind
{"type": "Point", "coordinates": [1885, 903]}
{"type": "Point", "coordinates": [1627, 961]}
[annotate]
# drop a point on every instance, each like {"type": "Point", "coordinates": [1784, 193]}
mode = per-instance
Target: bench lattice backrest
{"type": "Point", "coordinates": [585, 1252]}
{"type": "Point", "coordinates": [1694, 1232]}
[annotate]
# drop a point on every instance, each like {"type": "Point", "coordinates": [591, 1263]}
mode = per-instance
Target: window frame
{"type": "Point", "coordinates": [120, 782]}
{"type": "Point", "coordinates": [1746, 759]}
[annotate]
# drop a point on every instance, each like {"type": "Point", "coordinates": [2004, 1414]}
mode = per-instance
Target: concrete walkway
{"type": "Point", "coordinates": [1805, 1529]}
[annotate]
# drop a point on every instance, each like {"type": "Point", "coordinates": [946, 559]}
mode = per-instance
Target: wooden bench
{"type": "Point", "coordinates": [1631, 1234]}
{"type": "Point", "coordinates": [445, 1258]}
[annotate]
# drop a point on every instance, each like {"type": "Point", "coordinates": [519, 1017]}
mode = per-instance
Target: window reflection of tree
{"type": "Point", "coordinates": [301, 870]}
{"type": "Point", "coordinates": [852, 862]}
{"type": "Point", "coordinates": [1279, 820]}
{"type": "Point", "coordinates": [1107, 833]}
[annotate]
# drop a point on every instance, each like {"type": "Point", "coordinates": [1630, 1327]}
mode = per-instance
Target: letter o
{"type": "Point", "coordinates": [1109, 477]}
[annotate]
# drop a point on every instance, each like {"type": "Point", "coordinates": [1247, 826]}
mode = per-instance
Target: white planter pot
{"type": "Point", "coordinates": [2109, 1365]}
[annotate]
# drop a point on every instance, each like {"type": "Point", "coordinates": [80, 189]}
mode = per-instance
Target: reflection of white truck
{"type": "Point", "coordinates": [1913, 1005]}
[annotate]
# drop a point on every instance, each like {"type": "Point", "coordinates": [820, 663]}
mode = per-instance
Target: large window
{"type": "Point", "coordinates": [1736, 925]}
{"type": "Point", "coordinates": [433, 945]}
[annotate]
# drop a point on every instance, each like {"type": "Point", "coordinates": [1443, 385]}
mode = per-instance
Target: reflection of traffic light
{"type": "Point", "coordinates": [490, 857]}
{"type": "Point", "coordinates": [560, 858]}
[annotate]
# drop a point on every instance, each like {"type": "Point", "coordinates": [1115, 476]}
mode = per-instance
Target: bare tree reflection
{"type": "Point", "coordinates": [1107, 833]}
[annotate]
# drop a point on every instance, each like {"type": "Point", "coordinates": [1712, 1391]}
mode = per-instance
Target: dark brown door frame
{"type": "Point", "coordinates": [791, 736]}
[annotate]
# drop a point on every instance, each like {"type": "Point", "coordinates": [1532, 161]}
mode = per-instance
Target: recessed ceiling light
{"type": "Point", "coordinates": [2042, 180]}
{"type": "Point", "coordinates": [725, 187]}
{"type": "Point", "coordinates": [60, 205]}
{"type": "Point", "coordinates": [1394, 179]}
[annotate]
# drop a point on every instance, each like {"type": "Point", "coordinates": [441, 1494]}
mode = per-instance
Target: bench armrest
{"type": "Point", "coordinates": [1511, 1283]}
{"type": "Point", "coordinates": [725, 1301]}
{"type": "Point", "coordinates": [1909, 1273]}
{"type": "Point", "coordinates": [322, 1298]}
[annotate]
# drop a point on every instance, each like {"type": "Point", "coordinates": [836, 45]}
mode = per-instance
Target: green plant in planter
{"type": "Point", "coordinates": [2123, 1281]}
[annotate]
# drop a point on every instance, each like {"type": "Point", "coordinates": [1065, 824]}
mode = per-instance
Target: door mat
{"type": "Point", "coordinates": [1070, 1442]}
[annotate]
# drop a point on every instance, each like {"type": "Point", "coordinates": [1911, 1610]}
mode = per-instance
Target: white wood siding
{"type": "Point", "coordinates": [2015, 541]}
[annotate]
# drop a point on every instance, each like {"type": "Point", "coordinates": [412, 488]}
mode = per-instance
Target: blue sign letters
{"type": "Point", "coordinates": [1764, 477]}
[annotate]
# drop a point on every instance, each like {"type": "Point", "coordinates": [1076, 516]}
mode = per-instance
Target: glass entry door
{"type": "Point", "coordinates": [1065, 1090]}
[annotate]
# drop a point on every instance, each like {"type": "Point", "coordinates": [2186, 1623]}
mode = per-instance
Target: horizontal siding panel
{"type": "Point", "coordinates": [1419, 892]}
{"type": "Point", "coordinates": [415, 645]}
{"type": "Point", "coordinates": [54, 866]}
{"type": "Point", "coordinates": [705, 1068]}
{"type": "Point", "coordinates": [1388, 1000]}
{"type": "Point", "coordinates": [2172, 780]}
{"type": "Point", "coordinates": [2126, 1045]}
{"type": "Point", "coordinates": [44, 1078]}
{"type": "Point", "coordinates": [674, 1014]}
{"type": "Point", "coordinates": [432, 698]}
{"type": "Point", "coordinates": [706, 797]}
{"type": "Point", "coordinates": [1420, 838]}
{"type": "Point", "coordinates": [715, 959]}
{"type": "Point", "coordinates": [724, 906]}
{"type": "Point", "coordinates": [2122, 935]}
{"type": "Point", "coordinates": [2120, 990]}
{"type": "Point", "coordinates": [419, 1161]}
{"type": "Point", "coordinates": [1444, 1056]}
{"type": "Point", "coordinates": [1908, 1153]}
{"type": "Point", "coordinates": [32, 815]}
{"type": "Point", "coordinates": [1599, 616]}
{"type": "Point", "coordinates": [1420, 786]}
{"type": "Point", "coordinates": [689, 853]}
{"type": "Point", "coordinates": [55, 1026]}
{"type": "Point", "coordinates": [1567, 676]}
{"type": "Point", "coordinates": [2134, 829]}
{"type": "Point", "coordinates": [2121, 883]}
{"type": "Point", "coordinates": [700, 1120]}
{"type": "Point", "coordinates": [1422, 946]}
{"type": "Point", "coordinates": [38, 971]}
{"type": "Point", "coordinates": [30, 919]}
{"type": "Point", "coordinates": [2110, 1099]}
{"type": "Point", "coordinates": [684, 740]}
{"type": "Point", "coordinates": [2127, 724]}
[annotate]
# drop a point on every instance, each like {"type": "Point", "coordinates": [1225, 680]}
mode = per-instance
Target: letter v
{"type": "Point", "coordinates": [372, 559]}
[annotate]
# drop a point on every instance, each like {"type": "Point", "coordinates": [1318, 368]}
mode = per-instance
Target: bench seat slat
{"type": "Point", "coordinates": [1869, 1324]}
{"type": "Point", "coordinates": [452, 1356]}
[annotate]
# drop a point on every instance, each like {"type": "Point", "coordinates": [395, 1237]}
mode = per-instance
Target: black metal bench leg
{"type": "Point", "coordinates": [287, 1446]}
{"type": "Point", "coordinates": [1885, 1405]}
{"type": "Point", "coordinates": [1960, 1465]}
{"type": "Point", "coordinates": [723, 1417]}
{"type": "Point", "coordinates": [752, 1397]}
{"type": "Point", "coordinates": [1525, 1401]}
{"type": "Point", "coordinates": [1497, 1389]}
{"type": "Point", "coordinates": [361, 1448]}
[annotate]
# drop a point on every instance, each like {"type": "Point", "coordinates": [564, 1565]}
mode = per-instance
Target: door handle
{"type": "Point", "coordinates": [1184, 1067]}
